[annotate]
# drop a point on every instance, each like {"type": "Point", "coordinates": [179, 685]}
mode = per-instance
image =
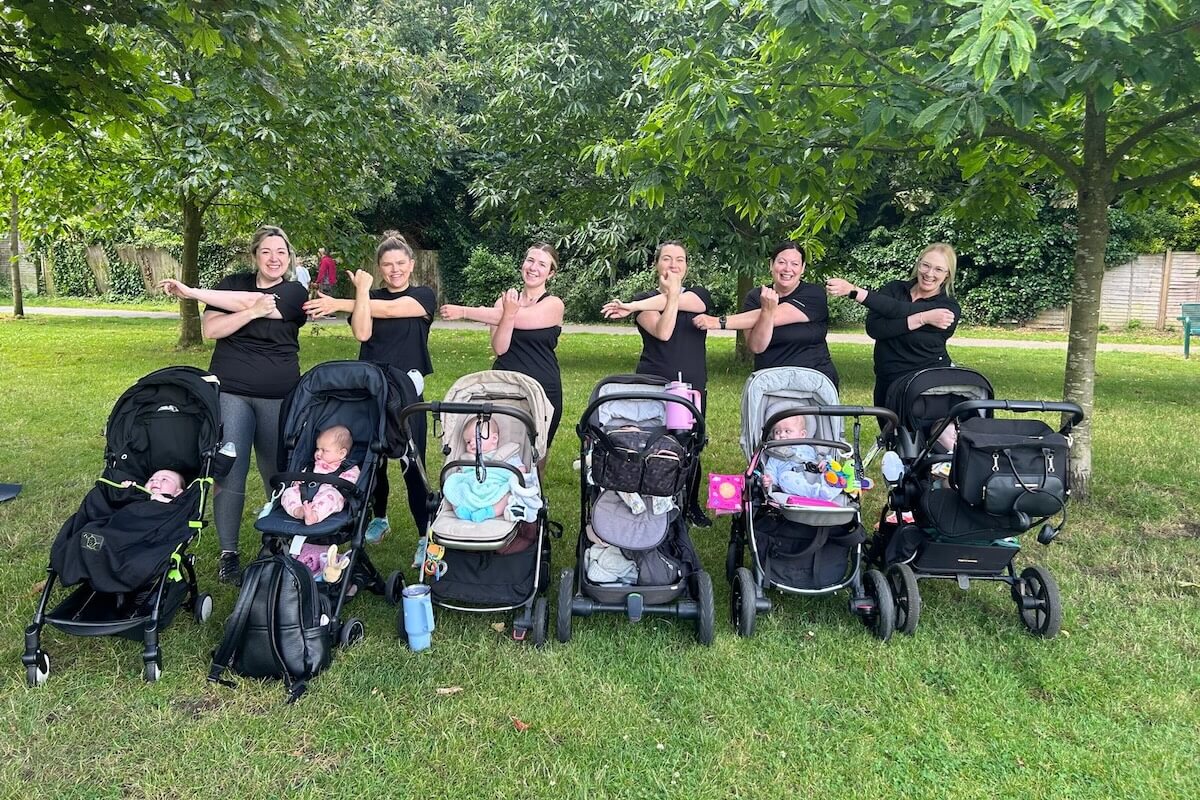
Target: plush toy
{"type": "Point", "coordinates": [842, 475]}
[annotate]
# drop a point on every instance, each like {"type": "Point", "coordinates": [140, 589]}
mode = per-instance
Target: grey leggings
{"type": "Point", "coordinates": [244, 420]}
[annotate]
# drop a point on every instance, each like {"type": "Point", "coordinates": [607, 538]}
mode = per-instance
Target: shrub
{"type": "Point", "coordinates": [72, 275]}
{"type": "Point", "coordinates": [486, 276]}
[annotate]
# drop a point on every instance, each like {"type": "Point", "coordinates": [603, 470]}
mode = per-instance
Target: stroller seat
{"type": "Point", "coordinates": [280, 523]}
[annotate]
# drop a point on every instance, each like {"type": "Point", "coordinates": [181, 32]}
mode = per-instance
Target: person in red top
{"type": "Point", "coordinates": [326, 271]}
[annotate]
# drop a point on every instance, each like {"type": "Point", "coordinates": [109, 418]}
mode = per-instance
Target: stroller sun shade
{"type": "Point", "coordinates": [769, 391]}
{"type": "Point", "coordinates": [924, 398]}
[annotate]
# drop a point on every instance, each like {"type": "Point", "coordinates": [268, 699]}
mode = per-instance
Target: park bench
{"type": "Point", "coordinates": [1190, 317]}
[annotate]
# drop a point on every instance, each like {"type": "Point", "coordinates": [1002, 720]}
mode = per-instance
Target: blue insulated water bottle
{"type": "Point", "coordinates": [418, 616]}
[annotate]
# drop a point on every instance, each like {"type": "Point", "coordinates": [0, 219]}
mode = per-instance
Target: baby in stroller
{"type": "Point", "coordinates": [163, 485]}
{"type": "Point", "coordinates": [795, 471]}
{"type": "Point", "coordinates": [482, 494]}
{"type": "Point", "coordinates": [333, 448]}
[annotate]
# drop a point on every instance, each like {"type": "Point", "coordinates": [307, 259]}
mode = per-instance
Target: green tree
{"type": "Point", "coordinates": [304, 141]}
{"type": "Point", "coordinates": [803, 96]}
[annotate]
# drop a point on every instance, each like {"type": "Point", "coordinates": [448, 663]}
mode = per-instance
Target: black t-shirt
{"type": "Point", "coordinates": [531, 352]}
{"type": "Point", "coordinates": [262, 358]}
{"type": "Point", "coordinates": [899, 351]}
{"type": "Point", "coordinates": [402, 342]}
{"type": "Point", "coordinates": [683, 352]}
{"type": "Point", "coordinates": [798, 344]}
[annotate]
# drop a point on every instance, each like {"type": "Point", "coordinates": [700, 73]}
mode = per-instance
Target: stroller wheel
{"type": "Point", "coordinates": [352, 632]}
{"type": "Point", "coordinates": [882, 618]}
{"type": "Point", "coordinates": [566, 594]}
{"type": "Point", "coordinates": [1040, 603]}
{"type": "Point", "coordinates": [394, 587]}
{"type": "Point", "coordinates": [541, 621]}
{"type": "Point", "coordinates": [906, 597]}
{"type": "Point", "coordinates": [742, 608]}
{"type": "Point", "coordinates": [36, 674]}
{"type": "Point", "coordinates": [152, 671]}
{"type": "Point", "coordinates": [704, 597]}
{"type": "Point", "coordinates": [203, 608]}
{"type": "Point", "coordinates": [733, 559]}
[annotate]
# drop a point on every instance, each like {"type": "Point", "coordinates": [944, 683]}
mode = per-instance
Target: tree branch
{"type": "Point", "coordinates": [1038, 145]}
{"type": "Point", "coordinates": [1150, 128]}
{"type": "Point", "coordinates": [1184, 170]}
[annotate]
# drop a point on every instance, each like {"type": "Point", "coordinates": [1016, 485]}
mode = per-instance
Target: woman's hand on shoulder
{"type": "Point", "coordinates": [175, 288]}
{"type": "Point", "coordinates": [768, 301]}
{"type": "Point", "coordinates": [706, 322]}
{"type": "Point", "coordinates": [321, 306]}
{"type": "Point", "coordinates": [670, 284]}
{"type": "Point", "coordinates": [264, 305]}
{"type": "Point", "coordinates": [509, 303]}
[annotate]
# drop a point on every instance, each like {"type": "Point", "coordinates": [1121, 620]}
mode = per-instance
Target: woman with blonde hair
{"type": "Point", "coordinates": [910, 320]}
{"type": "Point", "coordinates": [255, 318]}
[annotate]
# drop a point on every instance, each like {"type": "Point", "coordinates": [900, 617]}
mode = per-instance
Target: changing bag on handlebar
{"type": "Point", "coordinates": [642, 460]}
{"type": "Point", "coordinates": [1011, 465]}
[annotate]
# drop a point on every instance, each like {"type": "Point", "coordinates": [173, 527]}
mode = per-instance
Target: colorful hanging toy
{"type": "Point", "coordinates": [435, 567]}
{"type": "Point", "coordinates": [840, 474]}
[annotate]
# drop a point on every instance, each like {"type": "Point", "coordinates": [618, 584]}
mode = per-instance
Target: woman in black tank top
{"type": "Point", "coordinates": [525, 327]}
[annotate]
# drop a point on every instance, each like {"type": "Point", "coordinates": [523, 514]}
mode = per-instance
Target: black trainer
{"type": "Point", "coordinates": [229, 569]}
{"type": "Point", "coordinates": [697, 517]}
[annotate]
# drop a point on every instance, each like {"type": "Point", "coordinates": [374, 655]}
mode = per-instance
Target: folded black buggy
{"type": "Point", "coordinates": [955, 512]}
{"type": "Point", "coordinates": [634, 555]}
{"type": "Point", "coordinates": [808, 543]}
{"type": "Point", "coordinates": [355, 394]}
{"type": "Point", "coordinates": [491, 563]}
{"type": "Point", "coordinates": [126, 552]}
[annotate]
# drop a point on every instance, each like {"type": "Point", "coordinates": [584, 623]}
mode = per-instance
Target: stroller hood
{"type": "Point", "coordinates": [169, 419]}
{"type": "Point", "coordinates": [923, 398]}
{"type": "Point", "coordinates": [769, 391]}
{"type": "Point", "coordinates": [502, 388]}
{"type": "Point", "coordinates": [350, 393]}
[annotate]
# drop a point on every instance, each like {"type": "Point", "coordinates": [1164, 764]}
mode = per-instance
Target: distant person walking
{"type": "Point", "coordinates": [326, 271]}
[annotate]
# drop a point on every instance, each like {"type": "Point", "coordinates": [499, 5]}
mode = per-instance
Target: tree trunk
{"type": "Point", "coordinates": [189, 269]}
{"type": "Point", "coordinates": [14, 249]}
{"type": "Point", "coordinates": [1079, 385]}
{"type": "Point", "coordinates": [741, 350]}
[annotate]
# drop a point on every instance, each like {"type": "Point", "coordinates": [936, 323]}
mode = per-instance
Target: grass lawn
{"type": "Point", "coordinates": [971, 707]}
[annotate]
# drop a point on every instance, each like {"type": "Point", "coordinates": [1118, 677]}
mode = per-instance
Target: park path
{"type": "Point", "coordinates": [835, 338]}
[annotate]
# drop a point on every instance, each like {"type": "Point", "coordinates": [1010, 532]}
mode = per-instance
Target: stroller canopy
{"type": "Point", "coordinates": [169, 419]}
{"type": "Point", "coordinates": [502, 388]}
{"type": "Point", "coordinates": [350, 393]}
{"type": "Point", "coordinates": [770, 391]}
{"type": "Point", "coordinates": [925, 397]}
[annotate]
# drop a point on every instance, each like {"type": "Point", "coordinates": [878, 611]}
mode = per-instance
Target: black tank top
{"type": "Point", "coordinates": [531, 352]}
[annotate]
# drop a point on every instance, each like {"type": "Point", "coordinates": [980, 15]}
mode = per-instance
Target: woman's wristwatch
{"type": "Point", "coordinates": [721, 322]}
{"type": "Point", "coordinates": [853, 294]}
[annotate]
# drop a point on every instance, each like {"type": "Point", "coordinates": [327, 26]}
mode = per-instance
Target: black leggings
{"type": "Point", "coordinates": [417, 490]}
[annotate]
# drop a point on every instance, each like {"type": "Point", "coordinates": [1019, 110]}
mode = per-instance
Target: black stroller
{"type": "Point", "coordinates": [811, 543]}
{"type": "Point", "coordinates": [1006, 476]}
{"type": "Point", "coordinates": [127, 552]}
{"type": "Point", "coordinates": [499, 563]}
{"type": "Point", "coordinates": [354, 394]}
{"type": "Point", "coordinates": [634, 555]}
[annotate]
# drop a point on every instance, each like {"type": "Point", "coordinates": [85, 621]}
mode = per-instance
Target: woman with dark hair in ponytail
{"type": "Point", "coordinates": [525, 327]}
{"type": "Point", "coordinates": [392, 323]}
{"type": "Point", "coordinates": [671, 344]}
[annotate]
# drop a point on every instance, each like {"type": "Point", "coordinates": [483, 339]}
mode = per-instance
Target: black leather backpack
{"type": "Point", "coordinates": [279, 628]}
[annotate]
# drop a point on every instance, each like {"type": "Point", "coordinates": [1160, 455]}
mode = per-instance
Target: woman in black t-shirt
{"type": "Point", "coordinates": [392, 323]}
{"type": "Point", "coordinates": [911, 320]}
{"type": "Point", "coordinates": [672, 346]}
{"type": "Point", "coordinates": [255, 319]}
{"type": "Point", "coordinates": [525, 328]}
{"type": "Point", "coordinates": [787, 321]}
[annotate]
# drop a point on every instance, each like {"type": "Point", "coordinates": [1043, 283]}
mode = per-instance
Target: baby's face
{"type": "Point", "coordinates": [165, 482]}
{"type": "Point", "coordinates": [488, 443]}
{"type": "Point", "coordinates": [790, 428]}
{"type": "Point", "coordinates": [328, 449]}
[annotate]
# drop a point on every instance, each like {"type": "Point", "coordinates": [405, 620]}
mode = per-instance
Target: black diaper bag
{"type": "Point", "coordinates": [647, 461]}
{"type": "Point", "coordinates": [279, 628]}
{"type": "Point", "coordinates": [1007, 466]}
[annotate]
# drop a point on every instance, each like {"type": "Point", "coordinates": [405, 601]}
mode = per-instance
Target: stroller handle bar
{"type": "Point", "coordinates": [886, 416]}
{"type": "Point", "coordinates": [487, 409]}
{"type": "Point", "coordinates": [1021, 407]}
{"type": "Point", "coordinates": [697, 416]}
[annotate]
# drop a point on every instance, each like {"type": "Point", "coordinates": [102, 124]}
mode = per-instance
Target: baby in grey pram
{"type": "Point", "coordinates": [795, 471]}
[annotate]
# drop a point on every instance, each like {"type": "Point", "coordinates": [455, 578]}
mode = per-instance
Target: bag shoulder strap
{"type": "Point", "coordinates": [225, 654]}
{"type": "Point", "coordinates": [294, 688]}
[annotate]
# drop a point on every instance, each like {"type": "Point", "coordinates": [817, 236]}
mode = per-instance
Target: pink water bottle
{"type": "Point", "coordinates": [679, 417]}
